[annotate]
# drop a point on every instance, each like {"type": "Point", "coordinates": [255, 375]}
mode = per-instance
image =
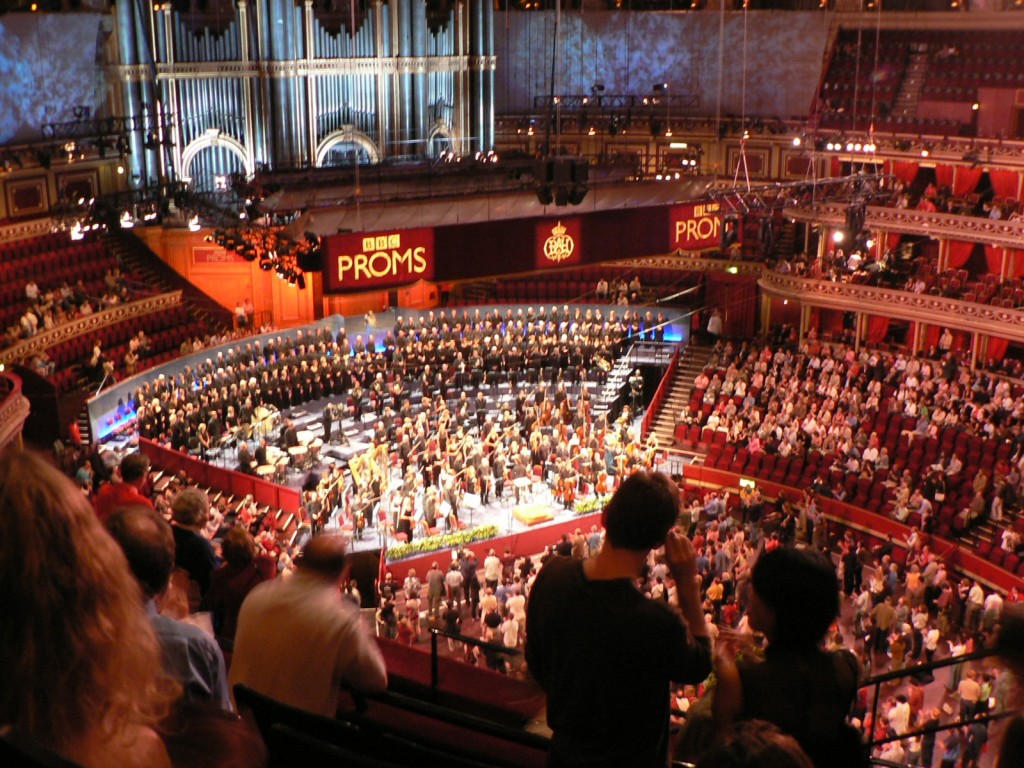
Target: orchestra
{"type": "Point", "coordinates": [451, 449]}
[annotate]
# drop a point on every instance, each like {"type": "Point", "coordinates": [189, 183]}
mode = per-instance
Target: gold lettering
{"type": "Point", "coordinates": [344, 264]}
{"type": "Point", "coordinates": [383, 263]}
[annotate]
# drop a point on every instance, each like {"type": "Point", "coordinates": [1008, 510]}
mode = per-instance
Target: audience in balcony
{"type": "Point", "coordinates": [190, 655]}
{"type": "Point", "coordinates": [78, 656]}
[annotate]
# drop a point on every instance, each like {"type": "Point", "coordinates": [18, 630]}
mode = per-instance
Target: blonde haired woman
{"type": "Point", "coordinates": [78, 657]}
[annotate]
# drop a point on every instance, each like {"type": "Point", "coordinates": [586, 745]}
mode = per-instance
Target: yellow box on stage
{"type": "Point", "coordinates": [531, 514]}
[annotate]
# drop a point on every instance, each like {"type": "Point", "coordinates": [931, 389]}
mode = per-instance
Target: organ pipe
{"type": "Point", "coordinates": [288, 82]}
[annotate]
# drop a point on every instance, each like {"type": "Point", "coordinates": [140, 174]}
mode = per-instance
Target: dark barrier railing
{"type": "Point", "coordinates": [877, 681]}
{"type": "Point", "coordinates": [435, 670]}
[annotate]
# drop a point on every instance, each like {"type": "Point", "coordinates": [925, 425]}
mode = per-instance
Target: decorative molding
{"type": "Point", "coordinates": [14, 409]}
{"type": "Point", "coordinates": [903, 305]}
{"type": "Point", "coordinates": [691, 262]}
{"type": "Point", "coordinates": [948, 226]}
{"type": "Point", "coordinates": [23, 230]}
{"type": "Point", "coordinates": [89, 324]}
{"type": "Point", "coordinates": [381, 65]}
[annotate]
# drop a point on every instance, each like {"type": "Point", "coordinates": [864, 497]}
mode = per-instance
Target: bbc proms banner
{"type": "Point", "coordinates": [375, 260]}
{"type": "Point", "coordinates": [695, 226]}
{"type": "Point", "coordinates": [558, 243]}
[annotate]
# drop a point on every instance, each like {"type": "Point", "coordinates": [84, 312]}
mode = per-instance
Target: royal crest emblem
{"type": "Point", "coordinates": [560, 245]}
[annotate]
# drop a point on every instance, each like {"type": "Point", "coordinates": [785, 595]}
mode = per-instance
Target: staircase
{"type": "Point", "coordinates": [691, 362]}
{"type": "Point", "coordinates": [785, 244]}
{"type": "Point", "coordinates": [146, 267]}
{"type": "Point", "coordinates": [913, 80]}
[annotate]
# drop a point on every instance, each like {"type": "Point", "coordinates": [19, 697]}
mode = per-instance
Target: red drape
{"type": "Point", "coordinates": [930, 337]}
{"type": "Point", "coordinates": [1004, 182]}
{"type": "Point", "coordinates": [994, 258]}
{"type": "Point", "coordinates": [1016, 263]}
{"type": "Point", "coordinates": [967, 180]}
{"type": "Point", "coordinates": [944, 175]}
{"type": "Point", "coordinates": [904, 171]}
{"type": "Point", "coordinates": [892, 239]}
{"type": "Point", "coordinates": [996, 348]}
{"type": "Point", "coordinates": [878, 326]}
{"type": "Point", "coordinates": [958, 252]}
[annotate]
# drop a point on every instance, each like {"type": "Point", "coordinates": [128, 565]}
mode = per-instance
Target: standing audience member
{"type": "Point", "coordinates": [78, 657]}
{"type": "Point", "coordinates": [133, 469]}
{"type": "Point", "coordinates": [603, 652]}
{"type": "Point", "coordinates": [193, 553]}
{"type": "Point", "coordinates": [190, 655]}
{"type": "Point", "coordinates": [299, 642]}
{"type": "Point", "coordinates": [231, 583]}
{"type": "Point", "coordinates": [803, 689]}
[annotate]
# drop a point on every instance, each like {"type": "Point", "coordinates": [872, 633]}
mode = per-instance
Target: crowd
{"type": "Point", "coordinates": [835, 402]}
{"type": "Point", "coordinates": [736, 583]}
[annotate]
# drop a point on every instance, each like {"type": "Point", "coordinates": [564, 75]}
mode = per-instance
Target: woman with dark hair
{"type": "Point", "coordinates": [803, 689]}
{"type": "Point", "coordinates": [230, 583]}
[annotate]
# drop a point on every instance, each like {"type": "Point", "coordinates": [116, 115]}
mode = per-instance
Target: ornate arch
{"type": "Point", "coordinates": [439, 128]}
{"type": "Point", "coordinates": [214, 137]}
{"type": "Point", "coordinates": [347, 134]}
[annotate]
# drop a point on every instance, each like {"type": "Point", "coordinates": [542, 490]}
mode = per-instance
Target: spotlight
{"type": "Point", "coordinates": [193, 224]}
{"type": "Point", "coordinates": [838, 236]}
{"type": "Point", "coordinates": [925, 152]}
{"type": "Point", "coordinates": [127, 222]}
{"type": "Point", "coordinates": [975, 106]}
{"type": "Point", "coordinates": [797, 141]}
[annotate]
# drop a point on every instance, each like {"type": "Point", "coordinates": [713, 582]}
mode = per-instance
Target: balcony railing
{"type": "Point", "coordinates": [948, 226]}
{"type": "Point", "coordinates": [14, 408]}
{"type": "Point", "coordinates": [904, 305]}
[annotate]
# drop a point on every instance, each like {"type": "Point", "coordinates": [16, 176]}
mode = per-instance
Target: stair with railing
{"type": "Point", "coordinates": [133, 254]}
{"type": "Point", "coordinates": [906, 100]}
{"type": "Point", "coordinates": [691, 362]}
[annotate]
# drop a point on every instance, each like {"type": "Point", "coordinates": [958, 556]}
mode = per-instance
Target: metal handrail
{"type": "Point", "coordinates": [876, 681]}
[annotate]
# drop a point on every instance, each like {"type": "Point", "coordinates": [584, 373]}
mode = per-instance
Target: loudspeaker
{"type": "Point", "coordinates": [310, 261]}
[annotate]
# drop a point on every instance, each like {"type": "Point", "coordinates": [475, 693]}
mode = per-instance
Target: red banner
{"type": "Point", "coordinates": [558, 243]}
{"type": "Point", "coordinates": [371, 260]}
{"type": "Point", "coordinates": [695, 226]}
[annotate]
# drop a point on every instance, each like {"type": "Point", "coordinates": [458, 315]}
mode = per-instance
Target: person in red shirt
{"type": "Point", "coordinates": [134, 470]}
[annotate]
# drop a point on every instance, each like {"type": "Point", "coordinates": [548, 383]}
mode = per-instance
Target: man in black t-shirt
{"type": "Point", "coordinates": [605, 654]}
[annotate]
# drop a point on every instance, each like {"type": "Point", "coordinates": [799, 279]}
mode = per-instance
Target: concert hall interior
{"type": "Point", "coordinates": [437, 277]}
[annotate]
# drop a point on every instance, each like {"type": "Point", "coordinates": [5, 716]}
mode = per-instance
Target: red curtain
{"type": "Point", "coordinates": [958, 252]}
{"type": "Point", "coordinates": [994, 259]}
{"type": "Point", "coordinates": [930, 337]}
{"type": "Point", "coordinates": [878, 326]}
{"type": "Point", "coordinates": [996, 348]}
{"type": "Point", "coordinates": [967, 180]}
{"type": "Point", "coordinates": [892, 239]}
{"type": "Point", "coordinates": [944, 175]}
{"type": "Point", "coordinates": [903, 171]}
{"type": "Point", "coordinates": [1004, 182]}
{"type": "Point", "coordinates": [736, 297]}
{"type": "Point", "coordinates": [1016, 257]}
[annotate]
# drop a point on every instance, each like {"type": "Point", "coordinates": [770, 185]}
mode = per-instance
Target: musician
{"type": "Point", "coordinates": [431, 506]}
{"type": "Point", "coordinates": [451, 495]}
{"type": "Point", "coordinates": [327, 420]}
{"type": "Point", "coordinates": [636, 389]}
{"type": "Point", "coordinates": [405, 514]}
{"type": "Point", "coordinates": [517, 472]}
{"type": "Point", "coordinates": [289, 435]}
{"type": "Point", "coordinates": [261, 453]}
{"type": "Point", "coordinates": [246, 463]}
{"type": "Point", "coordinates": [498, 469]}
